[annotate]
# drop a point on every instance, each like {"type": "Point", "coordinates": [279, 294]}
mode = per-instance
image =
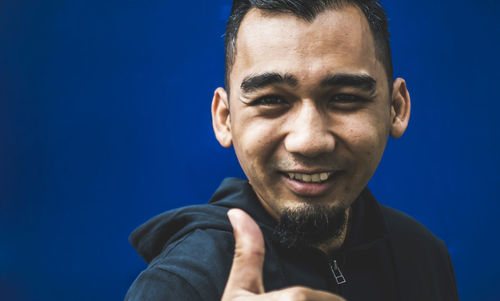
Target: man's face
{"type": "Point", "coordinates": [310, 110]}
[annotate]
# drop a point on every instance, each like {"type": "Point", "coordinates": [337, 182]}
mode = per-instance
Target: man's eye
{"type": "Point", "coordinates": [269, 100]}
{"type": "Point", "coordinates": [347, 98]}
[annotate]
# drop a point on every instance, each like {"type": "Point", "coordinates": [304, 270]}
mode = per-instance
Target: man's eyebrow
{"type": "Point", "coordinates": [362, 81]}
{"type": "Point", "coordinates": [258, 81]}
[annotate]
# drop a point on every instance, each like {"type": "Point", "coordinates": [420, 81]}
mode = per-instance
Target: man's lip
{"type": "Point", "coordinates": [307, 171]}
{"type": "Point", "coordinates": [310, 189]}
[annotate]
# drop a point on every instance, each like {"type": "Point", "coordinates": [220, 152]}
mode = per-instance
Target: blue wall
{"type": "Point", "coordinates": [104, 122]}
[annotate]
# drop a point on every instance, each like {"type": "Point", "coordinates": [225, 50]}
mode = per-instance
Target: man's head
{"type": "Point", "coordinates": [310, 109]}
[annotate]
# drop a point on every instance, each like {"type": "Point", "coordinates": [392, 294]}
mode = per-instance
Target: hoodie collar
{"type": "Point", "coordinates": [367, 225]}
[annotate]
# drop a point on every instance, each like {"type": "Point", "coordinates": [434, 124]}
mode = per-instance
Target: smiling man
{"type": "Point", "coordinates": [309, 105]}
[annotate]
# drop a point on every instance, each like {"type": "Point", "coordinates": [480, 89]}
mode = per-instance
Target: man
{"type": "Point", "coordinates": [308, 107]}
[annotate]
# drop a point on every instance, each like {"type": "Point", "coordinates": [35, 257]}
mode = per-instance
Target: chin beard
{"type": "Point", "coordinates": [309, 225]}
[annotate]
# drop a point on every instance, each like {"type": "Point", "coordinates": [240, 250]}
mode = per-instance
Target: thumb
{"type": "Point", "coordinates": [246, 272]}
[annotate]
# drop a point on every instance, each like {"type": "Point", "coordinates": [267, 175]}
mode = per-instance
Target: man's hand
{"type": "Point", "coordinates": [245, 278]}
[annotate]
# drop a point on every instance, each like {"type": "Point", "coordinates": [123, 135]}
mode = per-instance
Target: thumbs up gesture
{"type": "Point", "coordinates": [245, 279]}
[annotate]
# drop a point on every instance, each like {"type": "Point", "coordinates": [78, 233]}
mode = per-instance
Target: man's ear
{"type": "Point", "coordinates": [221, 119]}
{"type": "Point", "coordinates": [400, 108]}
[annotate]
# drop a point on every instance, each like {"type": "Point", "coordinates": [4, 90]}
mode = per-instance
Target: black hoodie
{"type": "Point", "coordinates": [386, 255]}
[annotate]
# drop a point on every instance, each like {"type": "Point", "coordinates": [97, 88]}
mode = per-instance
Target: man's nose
{"type": "Point", "coordinates": [309, 132]}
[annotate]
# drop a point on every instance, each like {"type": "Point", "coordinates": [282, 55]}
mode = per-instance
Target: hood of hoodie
{"type": "Point", "coordinates": [367, 225]}
{"type": "Point", "coordinates": [150, 238]}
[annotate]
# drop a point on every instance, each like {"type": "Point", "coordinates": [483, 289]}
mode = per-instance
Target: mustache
{"type": "Point", "coordinates": [298, 162]}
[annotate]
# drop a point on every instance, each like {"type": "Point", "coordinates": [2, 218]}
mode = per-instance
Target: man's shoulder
{"type": "Point", "coordinates": [404, 227]}
{"type": "Point", "coordinates": [421, 258]}
{"type": "Point", "coordinates": [195, 267]}
{"type": "Point", "coordinates": [151, 238]}
{"type": "Point", "coordinates": [200, 256]}
{"type": "Point", "coordinates": [198, 249]}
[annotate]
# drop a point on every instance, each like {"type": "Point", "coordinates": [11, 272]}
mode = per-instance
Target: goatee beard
{"type": "Point", "coordinates": [310, 225]}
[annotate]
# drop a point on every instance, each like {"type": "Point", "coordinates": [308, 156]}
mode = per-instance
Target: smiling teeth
{"type": "Point", "coordinates": [308, 178]}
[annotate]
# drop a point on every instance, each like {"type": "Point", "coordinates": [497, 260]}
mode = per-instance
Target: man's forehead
{"type": "Point", "coordinates": [348, 18]}
{"type": "Point", "coordinates": [336, 37]}
{"type": "Point", "coordinates": [332, 17]}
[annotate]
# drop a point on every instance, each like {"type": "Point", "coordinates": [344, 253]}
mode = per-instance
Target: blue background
{"type": "Point", "coordinates": [105, 122]}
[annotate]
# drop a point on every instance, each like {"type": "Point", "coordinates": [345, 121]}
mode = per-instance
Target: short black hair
{"type": "Point", "coordinates": [308, 10]}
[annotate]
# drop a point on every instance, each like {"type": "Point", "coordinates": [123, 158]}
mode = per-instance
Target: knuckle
{"type": "Point", "coordinates": [256, 252]}
{"type": "Point", "coordinates": [249, 252]}
{"type": "Point", "coordinates": [297, 294]}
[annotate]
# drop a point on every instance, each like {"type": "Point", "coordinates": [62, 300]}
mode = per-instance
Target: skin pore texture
{"type": "Point", "coordinates": [309, 113]}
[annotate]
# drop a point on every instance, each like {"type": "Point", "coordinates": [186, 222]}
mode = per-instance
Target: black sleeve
{"type": "Point", "coordinates": [158, 284]}
{"type": "Point", "coordinates": [454, 288]}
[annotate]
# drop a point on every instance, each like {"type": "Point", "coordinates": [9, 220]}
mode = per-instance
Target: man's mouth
{"type": "Point", "coordinates": [310, 184]}
{"type": "Point", "coordinates": [309, 177]}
